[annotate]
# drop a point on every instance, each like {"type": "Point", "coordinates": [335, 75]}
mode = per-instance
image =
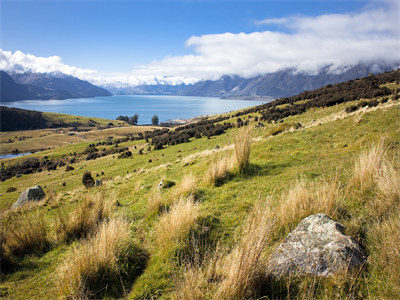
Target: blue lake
{"type": "Point", "coordinates": [166, 107]}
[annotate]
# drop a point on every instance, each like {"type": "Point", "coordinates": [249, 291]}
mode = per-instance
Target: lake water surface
{"type": "Point", "coordinates": [166, 107]}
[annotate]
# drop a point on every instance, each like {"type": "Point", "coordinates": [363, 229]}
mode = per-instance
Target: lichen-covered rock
{"type": "Point", "coordinates": [317, 246]}
{"type": "Point", "coordinates": [34, 193]}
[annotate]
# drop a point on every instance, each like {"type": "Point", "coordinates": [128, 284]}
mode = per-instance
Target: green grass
{"type": "Point", "coordinates": [314, 152]}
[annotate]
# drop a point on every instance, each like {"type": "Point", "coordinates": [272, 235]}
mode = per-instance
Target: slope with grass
{"type": "Point", "coordinates": [225, 203]}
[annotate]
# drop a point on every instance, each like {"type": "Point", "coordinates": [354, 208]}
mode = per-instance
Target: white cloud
{"type": "Point", "coordinates": [307, 44]}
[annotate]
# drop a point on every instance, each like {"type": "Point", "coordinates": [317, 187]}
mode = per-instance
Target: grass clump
{"type": "Point", "coordinates": [218, 171]}
{"type": "Point", "coordinates": [367, 166]}
{"type": "Point", "coordinates": [174, 226]}
{"type": "Point", "coordinates": [84, 217]}
{"type": "Point", "coordinates": [103, 265]}
{"type": "Point", "coordinates": [23, 235]}
{"type": "Point", "coordinates": [234, 275]}
{"type": "Point", "coordinates": [242, 150]}
{"type": "Point", "coordinates": [186, 187]}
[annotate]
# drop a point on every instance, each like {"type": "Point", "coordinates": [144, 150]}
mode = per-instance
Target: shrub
{"type": "Point", "coordinates": [126, 154]}
{"type": "Point", "coordinates": [87, 179]}
{"type": "Point", "coordinates": [242, 150]}
{"type": "Point", "coordinates": [69, 168]}
{"type": "Point", "coordinates": [11, 189]}
{"type": "Point", "coordinates": [104, 265]}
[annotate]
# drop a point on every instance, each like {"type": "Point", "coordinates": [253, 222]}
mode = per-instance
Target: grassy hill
{"type": "Point", "coordinates": [207, 231]}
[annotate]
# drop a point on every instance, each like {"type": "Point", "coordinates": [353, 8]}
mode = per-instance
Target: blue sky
{"type": "Point", "coordinates": [146, 37]}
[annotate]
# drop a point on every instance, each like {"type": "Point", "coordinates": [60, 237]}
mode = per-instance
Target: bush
{"type": "Point", "coordinates": [126, 154]}
{"type": "Point", "coordinates": [11, 189]}
{"type": "Point", "coordinates": [69, 168]}
{"type": "Point", "coordinates": [87, 179]}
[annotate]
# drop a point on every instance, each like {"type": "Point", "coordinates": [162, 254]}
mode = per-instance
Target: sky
{"type": "Point", "coordinates": [134, 42]}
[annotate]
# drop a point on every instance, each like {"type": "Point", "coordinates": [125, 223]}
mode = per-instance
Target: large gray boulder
{"type": "Point", "coordinates": [34, 193]}
{"type": "Point", "coordinates": [317, 246]}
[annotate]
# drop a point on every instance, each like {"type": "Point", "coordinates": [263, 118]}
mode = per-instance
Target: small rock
{"type": "Point", "coordinates": [34, 193]}
{"type": "Point", "coordinates": [317, 246]}
{"type": "Point", "coordinates": [18, 175]}
{"type": "Point", "coordinates": [160, 184]}
{"type": "Point", "coordinates": [98, 182]}
{"type": "Point", "coordinates": [216, 147]}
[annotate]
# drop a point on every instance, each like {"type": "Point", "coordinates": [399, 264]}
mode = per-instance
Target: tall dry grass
{"type": "Point", "coordinates": [186, 187]}
{"type": "Point", "coordinates": [84, 217]}
{"type": "Point", "coordinates": [384, 258]}
{"type": "Point", "coordinates": [174, 226]}
{"type": "Point", "coordinates": [219, 170]}
{"type": "Point", "coordinates": [97, 267]}
{"type": "Point", "coordinates": [155, 202]}
{"type": "Point", "coordinates": [305, 199]}
{"type": "Point", "coordinates": [234, 275]}
{"type": "Point", "coordinates": [242, 150]}
{"type": "Point", "coordinates": [387, 198]}
{"type": "Point", "coordinates": [366, 167]}
{"type": "Point", "coordinates": [24, 234]}
{"type": "Point", "coordinates": [244, 268]}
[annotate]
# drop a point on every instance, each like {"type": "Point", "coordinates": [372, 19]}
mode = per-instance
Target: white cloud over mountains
{"type": "Point", "coordinates": [303, 43]}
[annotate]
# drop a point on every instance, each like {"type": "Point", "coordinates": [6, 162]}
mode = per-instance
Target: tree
{"type": "Point", "coordinates": [154, 120]}
{"type": "Point", "coordinates": [134, 119]}
{"type": "Point", "coordinates": [123, 118]}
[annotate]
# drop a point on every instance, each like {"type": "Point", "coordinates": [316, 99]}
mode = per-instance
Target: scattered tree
{"type": "Point", "coordinates": [154, 120]}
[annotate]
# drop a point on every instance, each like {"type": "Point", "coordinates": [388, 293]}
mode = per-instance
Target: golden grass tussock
{"type": "Point", "coordinates": [384, 259]}
{"type": "Point", "coordinates": [96, 267]}
{"type": "Point", "coordinates": [155, 202]}
{"type": "Point", "coordinates": [388, 190]}
{"type": "Point", "coordinates": [305, 199]}
{"type": "Point", "coordinates": [366, 167]}
{"type": "Point", "coordinates": [84, 217]}
{"type": "Point", "coordinates": [219, 170]}
{"type": "Point", "coordinates": [242, 149]}
{"type": "Point", "coordinates": [174, 226]}
{"type": "Point", "coordinates": [231, 275]}
{"type": "Point", "coordinates": [187, 186]}
{"type": "Point", "coordinates": [24, 234]}
{"type": "Point", "coordinates": [244, 267]}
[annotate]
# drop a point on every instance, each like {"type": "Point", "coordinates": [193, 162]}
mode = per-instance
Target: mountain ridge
{"type": "Point", "coordinates": [46, 86]}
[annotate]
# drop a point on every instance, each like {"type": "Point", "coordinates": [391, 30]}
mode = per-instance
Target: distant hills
{"type": "Point", "coordinates": [283, 83]}
{"type": "Point", "coordinates": [31, 86]}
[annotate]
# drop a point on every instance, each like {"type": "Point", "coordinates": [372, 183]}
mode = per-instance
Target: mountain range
{"type": "Point", "coordinates": [282, 83]}
{"type": "Point", "coordinates": [31, 86]}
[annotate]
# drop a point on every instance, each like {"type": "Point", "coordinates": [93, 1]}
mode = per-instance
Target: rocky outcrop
{"type": "Point", "coordinates": [34, 193]}
{"type": "Point", "coordinates": [317, 246]}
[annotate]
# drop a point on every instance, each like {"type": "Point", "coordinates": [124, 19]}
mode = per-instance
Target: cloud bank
{"type": "Point", "coordinates": [301, 42]}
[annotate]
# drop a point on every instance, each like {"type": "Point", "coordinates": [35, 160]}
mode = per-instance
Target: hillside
{"type": "Point", "coordinates": [198, 218]}
{"type": "Point", "coordinates": [30, 86]}
{"type": "Point", "coordinates": [13, 119]}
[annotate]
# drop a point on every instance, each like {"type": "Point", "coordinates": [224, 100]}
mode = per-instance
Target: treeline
{"type": "Point", "coordinates": [135, 119]}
